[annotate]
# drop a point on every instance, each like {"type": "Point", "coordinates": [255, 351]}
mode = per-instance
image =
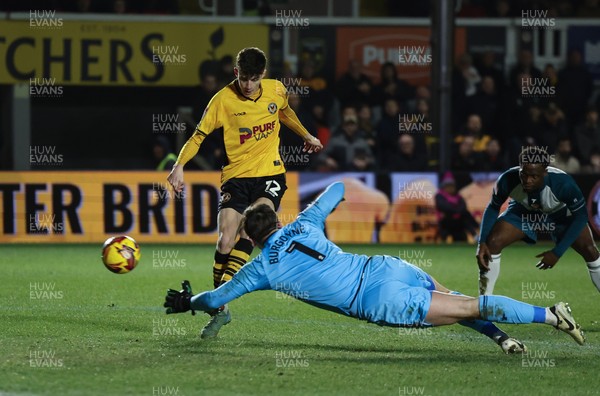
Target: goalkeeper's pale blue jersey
{"type": "Point", "coordinates": [300, 261]}
{"type": "Point", "coordinates": [560, 201]}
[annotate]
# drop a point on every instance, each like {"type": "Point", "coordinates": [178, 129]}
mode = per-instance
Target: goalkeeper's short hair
{"type": "Point", "coordinates": [259, 221]}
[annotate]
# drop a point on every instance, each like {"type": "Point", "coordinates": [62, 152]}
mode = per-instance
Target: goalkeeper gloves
{"type": "Point", "coordinates": [179, 301]}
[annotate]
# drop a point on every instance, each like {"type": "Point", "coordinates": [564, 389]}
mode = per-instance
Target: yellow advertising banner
{"type": "Point", "coordinates": [47, 51]}
{"type": "Point", "coordinates": [56, 207]}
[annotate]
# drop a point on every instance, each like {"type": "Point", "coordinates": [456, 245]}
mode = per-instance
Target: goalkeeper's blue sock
{"type": "Point", "coordinates": [506, 310]}
{"type": "Point", "coordinates": [483, 326]}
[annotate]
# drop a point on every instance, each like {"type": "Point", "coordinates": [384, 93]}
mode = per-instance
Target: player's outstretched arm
{"type": "Point", "coordinates": [188, 151]}
{"type": "Point", "coordinates": [549, 258]}
{"type": "Point", "coordinates": [289, 118]}
{"type": "Point", "coordinates": [325, 203]}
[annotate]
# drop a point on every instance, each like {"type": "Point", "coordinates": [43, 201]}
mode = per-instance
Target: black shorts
{"type": "Point", "coordinates": [239, 193]}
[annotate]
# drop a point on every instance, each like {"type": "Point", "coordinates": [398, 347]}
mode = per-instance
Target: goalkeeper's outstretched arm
{"type": "Point", "coordinates": [250, 278]}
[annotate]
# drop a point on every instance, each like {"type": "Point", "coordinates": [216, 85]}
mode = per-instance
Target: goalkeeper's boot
{"type": "Point", "coordinates": [567, 323]}
{"type": "Point", "coordinates": [218, 320]}
{"type": "Point", "coordinates": [511, 345]}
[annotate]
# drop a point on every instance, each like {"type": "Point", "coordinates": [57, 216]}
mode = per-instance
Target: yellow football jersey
{"type": "Point", "coordinates": [250, 130]}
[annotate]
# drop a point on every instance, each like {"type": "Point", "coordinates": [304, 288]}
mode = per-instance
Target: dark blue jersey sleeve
{"type": "Point", "coordinates": [250, 278]}
{"type": "Point", "coordinates": [502, 189]}
{"type": "Point", "coordinates": [569, 192]}
{"type": "Point", "coordinates": [317, 212]}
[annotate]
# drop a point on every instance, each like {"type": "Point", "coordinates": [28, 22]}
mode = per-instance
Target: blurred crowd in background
{"type": "Point", "coordinates": [387, 126]}
{"type": "Point", "coordinates": [392, 8]}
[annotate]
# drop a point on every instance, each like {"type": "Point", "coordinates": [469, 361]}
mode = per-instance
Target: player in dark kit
{"type": "Point", "coordinates": [249, 110]}
{"type": "Point", "coordinates": [542, 199]}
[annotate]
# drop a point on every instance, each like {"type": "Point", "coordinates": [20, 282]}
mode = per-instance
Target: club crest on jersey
{"type": "Point", "coordinates": [272, 107]}
{"type": "Point", "coordinates": [225, 197]}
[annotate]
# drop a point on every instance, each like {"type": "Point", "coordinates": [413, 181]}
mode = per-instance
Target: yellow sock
{"type": "Point", "coordinates": [219, 266]}
{"type": "Point", "coordinates": [237, 258]}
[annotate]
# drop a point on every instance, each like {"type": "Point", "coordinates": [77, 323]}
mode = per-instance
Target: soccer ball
{"type": "Point", "coordinates": [121, 254]}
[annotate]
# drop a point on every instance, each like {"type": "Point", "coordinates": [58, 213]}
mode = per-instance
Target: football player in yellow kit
{"type": "Point", "coordinates": [250, 110]}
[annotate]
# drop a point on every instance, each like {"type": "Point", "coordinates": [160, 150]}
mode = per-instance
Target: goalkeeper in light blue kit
{"type": "Point", "coordinates": [300, 261]}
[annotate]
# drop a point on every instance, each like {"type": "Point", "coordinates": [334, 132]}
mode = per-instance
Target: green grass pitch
{"type": "Point", "coordinates": [71, 327]}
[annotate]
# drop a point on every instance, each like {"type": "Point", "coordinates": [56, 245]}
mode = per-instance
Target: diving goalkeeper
{"type": "Point", "coordinates": [299, 260]}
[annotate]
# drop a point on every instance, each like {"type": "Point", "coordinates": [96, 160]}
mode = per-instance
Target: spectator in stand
{"type": "Point", "coordinates": [493, 160]}
{"type": "Point", "coordinates": [354, 86]}
{"type": "Point", "coordinates": [164, 157]}
{"type": "Point", "coordinates": [551, 74]}
{"type": "Point", "coordinates": [320, 99]}
{"type": "Point", "coordinates": [469, 74]}
{"type": "Point", "coordinates": [421, 93]}
{"type": "Point", "coordinates": [533, 127]}
{"type": "Point", "coordinates": [524, 66]}
{"type": "Point", "coordinates": [464, 84]}
{"type": "Point", "coordinates": [387, 129]}
{"type": "Point", "coordinates": [367, 125]}
{"type": "Point", "coordinates": [486, 104]}
{"type": "Point", "coordinates": [553, 127]}
{"type": "Point", "coordinates": [574, 88]}
{"type": "Point", "coordinates": [487, 67]}
{"type": "Point", "coordinates": [465, 157]}
{"type": "Point", "coordinates": [290, 143]}
{"type": "Point", "coordinates": [211, 155]}
{"type": "Point", "coordinates": [474, 128]}
{"type": "Point", "coordinates": [348, 111]}
{"type": "Point", "coordinates": [593, 168]}
{"type": "Point", "coordinates": [347, 150]}
{"type": "Point", "coordinates": [564, 159]}
{"type": "Point", "coordinates": [209, 86]}
{"type": "Point", "coordinates": [392, 87]}
{"type": "Point", "coordinates": [225, 70]}
{"type": "Point", "coordinates": [517, 119]}
{"type": "Point", "coordinates": [405, 157]}
{"type": "Point", "coordinates": [587, 136]}
{"type": "Point", "coordinates": [454, 219]}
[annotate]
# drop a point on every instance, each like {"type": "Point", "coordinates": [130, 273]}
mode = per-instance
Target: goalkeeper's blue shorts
{"type": "Point", "coordinates": [394, 293]}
